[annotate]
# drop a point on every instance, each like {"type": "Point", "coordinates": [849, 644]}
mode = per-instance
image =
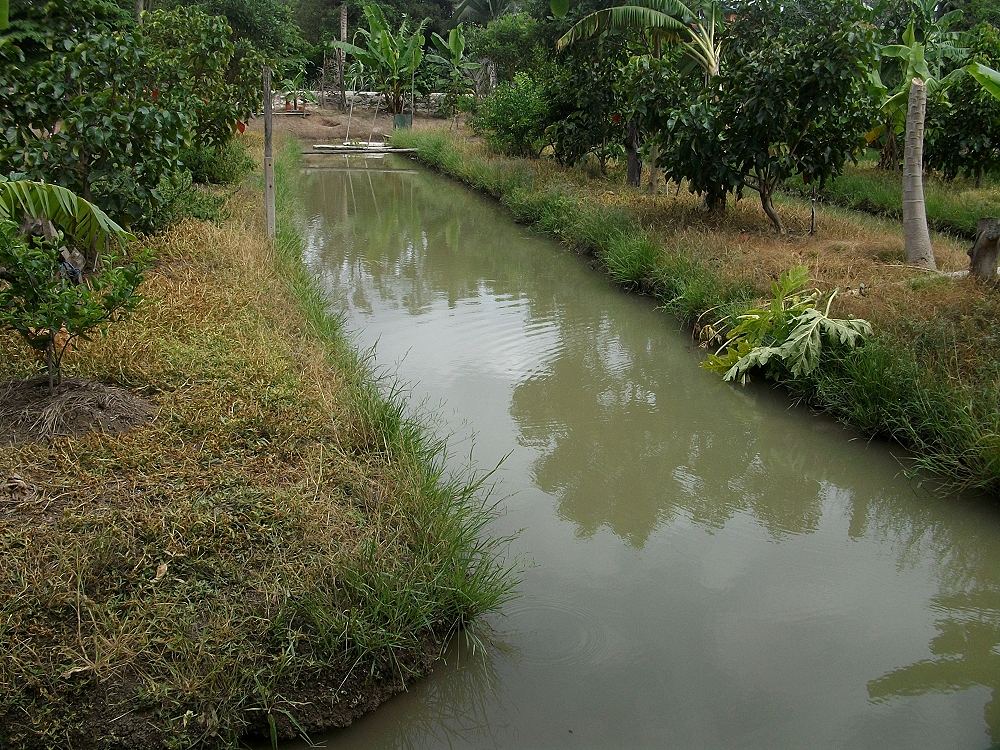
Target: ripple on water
{"type": "Point", "coordinates": [556, 633]}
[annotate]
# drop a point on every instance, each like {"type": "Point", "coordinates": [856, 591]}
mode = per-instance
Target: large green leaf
{"type": "Point", "coordinates": [625, 18]}
{"type": "Point", "coordinates": [988, 78]}
{"type": "Point", "coordinates": [78, 218]}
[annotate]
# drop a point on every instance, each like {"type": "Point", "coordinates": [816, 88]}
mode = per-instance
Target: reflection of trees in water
{"type": "Point", "coordinates": [965, 653]}
{"type": "Point", "coordinates": [628, 439]}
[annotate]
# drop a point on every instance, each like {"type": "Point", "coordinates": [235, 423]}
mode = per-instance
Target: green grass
{"type": "Point", "coordinates": [898, 386]}
{"type": "Point", "coordinates": [952, 206]}
{"type": "Point", "coordinates": [279, 550]}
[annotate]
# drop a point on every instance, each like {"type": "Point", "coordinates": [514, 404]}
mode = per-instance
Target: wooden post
{"type": "Point", "coordinates": [269, 217]}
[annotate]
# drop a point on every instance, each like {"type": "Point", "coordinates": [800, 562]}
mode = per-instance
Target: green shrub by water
{"type": "Point", "coordinates": [882, 388]}
{"type": "Point", "coordinates": [513, 117]}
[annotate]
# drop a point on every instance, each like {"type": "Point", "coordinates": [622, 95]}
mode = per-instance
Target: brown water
{"type": "Point", "coordinates": [705, 567]}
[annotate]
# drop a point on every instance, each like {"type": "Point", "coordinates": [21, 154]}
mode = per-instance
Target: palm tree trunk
{"type": "Point", "coordinates": [342, 58]}
{"type": "Point", "coordinates": [916, 237]}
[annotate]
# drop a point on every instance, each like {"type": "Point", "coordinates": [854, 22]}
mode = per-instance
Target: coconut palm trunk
{"type": "Point", "coordinates": [342, 58]}
{"type": "Point", "coordinates": [916, 237]}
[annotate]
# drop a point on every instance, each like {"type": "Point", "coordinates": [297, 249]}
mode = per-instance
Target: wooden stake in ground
{"type": "Point", "coordinates": [984, 254]}
{"type": "Point", "coordinates": [916, 237]}
{"type": "Point", "coordinates": [268, 157]}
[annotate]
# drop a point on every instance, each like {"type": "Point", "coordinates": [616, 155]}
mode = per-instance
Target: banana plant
{"type": "Point", "coordinates": [456, 79]}
{"type": "Point", "coordinates": [663, 22]}
{"type": "Point", "coordinates": [79, 219]}
{"type": "Point", "coordinates": [988, 78]}
{"type": "Point", "coordinates": [391, 58]}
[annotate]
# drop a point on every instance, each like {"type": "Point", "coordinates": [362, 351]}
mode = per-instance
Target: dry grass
{"type": "Point", "coordinates": [276, 549]}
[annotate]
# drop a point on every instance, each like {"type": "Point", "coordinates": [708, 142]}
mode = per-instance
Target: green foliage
{"type": "Point", "coordinates": [513, 117]}
{"type": "Point", "coordinates": [183, 199]}
{"type": "Point", "coordinates": [266, 25]}
{"type": "Point", "coordinates": [791, 331]}
{"type": "Point", "coordinates": [510, 42]}
{"type": "Point", "coordinates": [792, 99]}
{"type": "Point", "coordinates": [453, 68]}
{"type": "Point", "coordinates": [584, 101]}
{"type": "Point", "coordinates": [199, 70]}
{"type": "Point", "coordinates": [392, 58]}
{"type": "Point", "coordinates": [44, 297]}
{"type": "Point", "coordinates": [963, 131]}
{"type": "Point", "coordinates": [217, 165]}
{"type": "Point", "coordinates": [85, 116]}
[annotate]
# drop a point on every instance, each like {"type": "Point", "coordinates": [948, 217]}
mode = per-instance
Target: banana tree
{"type": "Point", "coordinates": [988, 78]}
{"type": "Point", "coordinates": [456, 70]}
{"type": "Point", "coordinates": [662, 21]}
{"type": "Point", "coordinates": [392, 58]}
{"type": "Point", "coordinates": [81, 220]}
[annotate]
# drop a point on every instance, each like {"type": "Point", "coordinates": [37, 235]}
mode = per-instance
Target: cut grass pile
{"type": "Point", "coordinates": [278, 550]}
{"type": "Point", "coordinates": [929, 379]}
{"type": "Point", "coordinates": [952, 206]}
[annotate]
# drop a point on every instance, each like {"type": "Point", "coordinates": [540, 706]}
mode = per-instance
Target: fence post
{"type": "Point", "coordinates": [269, 217]}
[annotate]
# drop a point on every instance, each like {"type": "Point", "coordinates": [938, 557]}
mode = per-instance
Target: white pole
{"type": "Point", "coordinates": [269, 217]}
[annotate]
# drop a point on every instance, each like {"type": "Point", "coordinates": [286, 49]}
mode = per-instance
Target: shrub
{"type": "Point", "coordinates": [217, 165]}
{"type": "Point", "coordinates": [84, 115]}
{"type": "Point", "coordinates": [44, 295]}
{"type": "Point", "coordinates": [197, 68]}
{"type": "Point", "coordinates": [513, 117]}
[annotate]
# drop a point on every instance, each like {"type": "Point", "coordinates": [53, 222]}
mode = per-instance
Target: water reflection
{"type": "Point", "coordinates": [697, 545]}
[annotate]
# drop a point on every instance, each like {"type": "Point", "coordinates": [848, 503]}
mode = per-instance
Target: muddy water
{"type": "Point", "coordinates": [704, 567]}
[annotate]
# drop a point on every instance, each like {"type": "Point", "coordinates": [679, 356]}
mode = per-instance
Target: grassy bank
{"type": "Point", "coordinates": [278, 550]}
{"type": "Point", "coordinates": [928, 379]}
{"type": "Point", "coordinates": [954, 206]}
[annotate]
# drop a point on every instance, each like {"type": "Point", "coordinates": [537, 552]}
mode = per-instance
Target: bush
{"type": "Point", "coordinates": [217, 165]}
{"type": "Point", "coordinates": [83, 114]}
{"type": "Point", "coordinates": [513, 117]}
{"type": "Point", "coordinates": [198, 69]}
{"type": "Point", "coordinates": [46, 300]}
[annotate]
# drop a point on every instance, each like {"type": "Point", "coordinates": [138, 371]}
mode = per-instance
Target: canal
{"type": "Point", "coordinates": [703, 566]}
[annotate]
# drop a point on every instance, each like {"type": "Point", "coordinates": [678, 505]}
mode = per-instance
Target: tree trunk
{"type": "Point", "coordinates": [322, 83]}
{"type": "Point", "coordinates": [916, 237]}
{"type": "Point", "coordinates": [634, 163]}
{"type": "Point", "coordinates": [766, 192]}
{"type": "Point", "coordinates": [654, 155]}
{"type": "Point", "coordinates": [491, 73]}
{"type": "Point", "coordinates": [984, 253]}
{"type": "Point", "coordinates": [140, 6]}
{"type": "Point", "coordinates": [342, 59]}
{"type": "Point", "coordinates": [889, 155]}
{"type": "Point", "coordinates": [715, 203]}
